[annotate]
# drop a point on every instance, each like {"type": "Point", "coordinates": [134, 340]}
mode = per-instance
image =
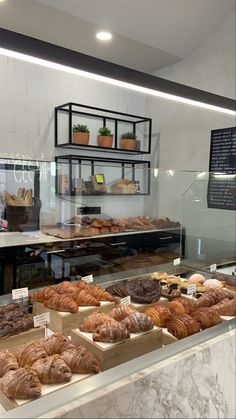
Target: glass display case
{"type": "Point", "coordinates": [163, 237]}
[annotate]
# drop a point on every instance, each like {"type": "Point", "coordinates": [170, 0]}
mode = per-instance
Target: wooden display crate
{"type": "Point", "coordinates": [62, 322]}
{"type": "Point", "coordinates": [112, 354]}
{"type": "Point", "coordinates": [9, 403]}
{"type": "Point", "coordinates": [13, 341]}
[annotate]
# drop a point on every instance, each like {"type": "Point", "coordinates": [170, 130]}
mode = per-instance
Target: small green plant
{"type": "Point", "coordinates": [104, 131]}
{"type": "Point", "coordinates": [129, 135]}
{"type": "Point", "coordinates": [80, 128]}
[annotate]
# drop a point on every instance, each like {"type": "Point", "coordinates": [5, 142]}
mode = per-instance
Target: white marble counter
{"type": "Point", "coordinates": [10, 239]}
{"type": "Point", "coordinates": [197, 383]}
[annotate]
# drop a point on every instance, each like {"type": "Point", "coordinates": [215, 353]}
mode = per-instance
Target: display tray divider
{"type": "Point", "coordinates": [113, 354]}
{"type": "Point", "coordinates": [62, 322]}
{"type": "Point", "coordinates": [14, 341]}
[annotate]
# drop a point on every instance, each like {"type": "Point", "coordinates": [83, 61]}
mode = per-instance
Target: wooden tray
{"type": "Point", "coordinates": [112, 354]}
{"type": "Point", "coordinates": [62, 322]}
{"type": "Point", "coordinates": [9, 403]}
{"type": "Point", "coordinates": [16, 340]}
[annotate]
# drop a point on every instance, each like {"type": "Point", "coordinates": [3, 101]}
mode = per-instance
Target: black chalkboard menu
{"type": "Point", "coordinates": [222, 181]}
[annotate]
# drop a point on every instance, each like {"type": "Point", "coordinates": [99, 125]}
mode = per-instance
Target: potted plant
{"type": "Point", "coordinates": [128, 141]}
{"type": "Point", "coordinates": [80, 134]}
{"type": "Point", "coordinates": [104, 138]}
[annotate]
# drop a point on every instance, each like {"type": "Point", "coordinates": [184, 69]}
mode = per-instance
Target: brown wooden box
{"type": "Point", "coordinates": [62, 322]}
{"type": "Point", "coordinates": [12, 342]}
{"type": "Point", "coordinates": [112, 354]}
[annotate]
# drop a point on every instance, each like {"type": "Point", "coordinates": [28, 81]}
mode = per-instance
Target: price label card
{"type": "Point", "coordinates": [99, 178]}
{"type": "Point", "coordinates": [191, 289]}
{"type": "Point", "coordinates": [125, 300]}
{"type": "Point", "coordinates": [41, 319]}
{"type": "Point", "coordinates": [88, 278]}
{"type": "Point", "coordinates": [213, 267]}
{"type": "Point", "coordinates": [176, 262]}
{"type": "Point", "coordinates": [20, 293]}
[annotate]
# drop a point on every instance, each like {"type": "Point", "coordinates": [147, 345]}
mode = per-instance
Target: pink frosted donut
{"type": "Point", "coordinates": [213, 283]}
{"type": "Point", "coordinates": [196, 279]}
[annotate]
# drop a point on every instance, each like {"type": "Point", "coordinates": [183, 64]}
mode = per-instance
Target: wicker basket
{"type": "Point", "coordinates": [22, 218]}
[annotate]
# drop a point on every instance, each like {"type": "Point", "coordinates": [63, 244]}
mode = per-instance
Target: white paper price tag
{"type": "Point", "coordinates": [125, 300]}
{"type": "Point", "coordinates": [20, 293]}
{"type": "Point", "coordinates": [176, 262]}
{"type": "Point", "coordinates": [41, 319]}
{"type": "Point", "coordinates": [88, 278]}
{"type": "Point", "coordinates": [213, 267]}
{"type": "Point", "coordinates": [191, 289]}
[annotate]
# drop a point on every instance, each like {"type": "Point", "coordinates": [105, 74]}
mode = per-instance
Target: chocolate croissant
{"type": "Point", "coordinates": [81, 360]}
{"type": "Point", "coordinates": [159, 314]}
{"type": "Point", "coordinates": [90, 323]}
{"type": "Point", "coordinates": [226, 307]}
{"type": "Point", "coordinates": [22, 383]}
{"type": "Point", "coordinates": [62, 302]}
{"type": "Point", "coordinates": [8, 362]}
{"type": "Point", "coordinates": [85, 299]}
{"type": "Point", "coordinates": [52, 370]}
{"type": "Point", "coordinates": [137, 322]}
{"type": "Point", "coordinates": [183, 326]}
{"type": "Point", "coordinates": [212, 297]}
{"type": "Point", "coordinates": [206, 317]}
{"type": "Point", "coordinates": [28, 353]}
{"type": "Point", "coordinates": [111, 331]}
{"type": "Point", "coordinates": [56, 344]}
{"type": "Point", "coordinates": [120, 312]}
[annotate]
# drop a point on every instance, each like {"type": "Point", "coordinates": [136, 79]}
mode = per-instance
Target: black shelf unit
{"type": "Point", "coordinates": [104, 117]}
{"type": "Point", "coordinates": [124, 167]}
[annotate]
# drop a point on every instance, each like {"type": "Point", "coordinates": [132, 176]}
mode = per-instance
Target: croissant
{"type": "Point", "coordinates": [22, 383]}
{"type": "Point", "coordinates": [176, 308]}
{"type": "Point", "coordinates": [206, 317]}
{"type": "Point", "coordinates": [159, 314]}
{"type": "Point", "coordinates": [37, 296]}
{"type": "Point", "coordinates": [100, 294]}
{"type": "Point", "coordinates": [56, 344]}
{"type": "Point", "coordinates": [111, 331]}
{"type": "Point", "coordinates": [226, 307]}
{"type": "Point", "coordinates": [8, 362]}
{"type": "Point", "coordinates": [65, 287]}
{"type": "Point", "coordinates": [85, 299]}
{"type": "Point", "coordinates": [82, 284]}
{"type": "Point", "coordinates": [120, 312]}
{"type": "Point", "coordinates": [212, 297]}
{"type": "Point", "coordinates": [52, 370]}
{"type": "Point", "coordinates": [48, 292]}
{"type": "Point", "coordinates": [28, 353]}
{"type": "Point", "coordinates": [138, 322]}
{"type": "Point", "coordinates": [90, 323]}
{"type": "Point", "coordinates": [187, 304]}
{"type": "Point", "coordinates": [62, 302]}
{"type": "Point", "coordinates": [81, 360]}
{"type": "Point", "coordinates": [183, 326]}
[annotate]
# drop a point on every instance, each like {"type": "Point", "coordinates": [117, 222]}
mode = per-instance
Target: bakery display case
{"type": "Point", "coordinates": [125, 277]}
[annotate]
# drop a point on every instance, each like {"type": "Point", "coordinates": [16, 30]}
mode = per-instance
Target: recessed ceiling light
{"type": "Point", "coordinates": [1, 1]}
{"type": "Point", "coordinates": [104, 36]}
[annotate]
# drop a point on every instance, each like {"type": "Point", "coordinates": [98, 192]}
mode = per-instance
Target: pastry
{"type": "Point", "coordinates": [170, 293]}
{"type": "Point", "coordinates": [196, 279]}
{"type": "Point", "coordinates": [65, 287]}
{"type": "Point", "coordinates": [90, 323]}
{"type": "Point", "coordinates": [206, 317]}
{"type": "Point", "coordinates": [120, 312]}
{"type": "Point", "coordinates": [52, 369]}
{"type": "Point", "coordinates": [138, 322]}
{"type": "Point", "coordinates": [62, 302]}
{"type": "Point", "coordinates": [85, 299]}
{"type": "Point", "coordinates": [183, 326]}
{"type": "Point", "coordinates": [111, 331]}
{"type": "Point", "coordinates": [81, 360]}
{"type": "Point", "coordinates": [226, 307]}
{"type": "Point", "coordinates": [143, 291]}
{"type": "Point", "coordinates": [159, 314]}
{"type": "Point", "coordinates": [8, 362]}
{"type": "Point", "coordinates": [28, 353]}
{"type": "Point", "coordinates": [176, 308]}
{"type": "Point", "coordinates": [56, 344]}
{"type": "Point", "coordinates": [100, 294]}
{"type": "Point", "coordinates": [22, 383]}
{"type": "Point", "coordinates": [212, 297]}
{"type": "Point", "coordinates": [231, 284]}
{"type": "Point", "coordinates": [212, 284]}
{"type": "Point", "coordinates": [186, 303]}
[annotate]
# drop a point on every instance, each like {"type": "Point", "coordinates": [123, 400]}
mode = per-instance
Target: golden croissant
{"type": "Point", "coordinates": [90, 323]}
{"type": "Point", "coordinates": [85, 299]}
{"type": "Point", "coordinates": [21, 384]}
{"type": "Point", "coordinates": [81, 360]}
{"type": "Point", "coordinates": [62, 302]}
{"type": "Point", "coordinates": [159, 314]}
{"type": "Point", "coordinates": [52, 370]}
{"type": "Point", "coordinates": [8, 362]}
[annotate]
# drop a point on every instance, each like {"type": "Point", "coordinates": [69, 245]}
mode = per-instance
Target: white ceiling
{"type": "Point", "coordinates": [147, 35]}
